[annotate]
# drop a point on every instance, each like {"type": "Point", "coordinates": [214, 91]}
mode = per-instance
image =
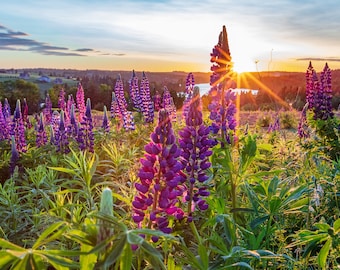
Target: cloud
{"type": "Point", "coordinates": [328, 59]}
{"type": "Point", "coordinates": [15, 41]}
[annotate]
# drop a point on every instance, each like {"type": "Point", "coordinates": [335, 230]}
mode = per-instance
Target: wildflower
{"type": "Point", "coordinates": [72, 127]}
{"type": "Point", "coordinates": [4, 131]}
{"type": "Point", "coordinates": [18, 129]}
{"type": "Point", "coordinates": [189, 86]}
{"type": "Point", "coordinates": [24, 113]}
{"type": "Point", "coordinates": [196, 149]}
{"type": "Point", "coordinates": [134, 92]}
{"type": "Point", "coordinates": [48, 109]}
{"type": "Point", "coordinates": [41, 136]}
{"type": "Point", "coordinates": [157, 100]}
{"type": "Point", "coordinates": [168, 104]}
{"type": "Point", "coordinates": [303, 130]}
{"type": "Point", "coordinates": [80, 100]}
{"type": "Point", "coordinates": [274, 126]}
{"type": "Point", "coordinates": [106, 123]}
{"type": "Point", "coordinates": [160, 178]}
{"type": "Point", "coordinates": [85, 133]}
{"type": "Point", "coordinates": [61, 138]}
{"type": "Point", "coordinates": [222, 108]}
{"type": "Point", "coordinates": [147, 104]}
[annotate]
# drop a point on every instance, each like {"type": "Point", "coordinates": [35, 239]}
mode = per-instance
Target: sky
{"type": "Point", "coordinates": [169, 35]}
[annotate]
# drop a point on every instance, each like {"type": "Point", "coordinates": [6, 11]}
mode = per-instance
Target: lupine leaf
{"type": "Point", "coordinates": [322, 257]}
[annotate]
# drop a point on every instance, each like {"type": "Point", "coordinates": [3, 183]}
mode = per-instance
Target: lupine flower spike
{"type": "Point", "coordinates": [61, 137]}
{"type": "Point", "coordinates": [80, 100]}
{"type": "Point", "coordinates": [196, 149]}
{"type": "Point", "coordinates": [147, 104]}
{"type": "Point", "coordinates": [134, 92]}
{"type": "Point", "coordinates": [85, 133]}
{"type": "Point", "coordinates": [105, 123]}
{"type": "Point", "coordinates": [189, 87]}
{"type": "Point", "coordinates": [41, 138]}
{"type": "Point", "coordinates": [18, 129]}
{"type": "Point", "coordinates": [168, 104]}
{"type": "Point", "coordinates": [4, 131]}
{"type": "Point", "coordinates": [222, 108]}
{"type": "Point", "coordinates": [106, 208]}
{"type": "Point", "coordinates": [160, 179]}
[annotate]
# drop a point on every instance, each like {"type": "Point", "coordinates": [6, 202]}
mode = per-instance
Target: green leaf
{"type": "Point", "coordinates": [115, 251]}
{"type": "Point", "coordinates": [322, 257]}
{"type": "Point", "coordinates": [238, 264]}
{"type": "Point", "coordinates": [87, 261]}
{"type": "Point", "coordinates": [203, 253]}
{"type": "Point", "coordinates": [336, 226]}
{"type": "Point", "coordinates": [6, 259]}
{"type": "Point", "coordinates": [43, 239]}
{"type": "Point", "coordinates": [134, 238]}
{"type": "Point", "coordinates": [258, 221]}
{"type": "Point", "coordinates": [62, 169]}
{"type": "Point", "coordinates": [126, 258]}
{"type": "Point", "coordinates": [8, 245]}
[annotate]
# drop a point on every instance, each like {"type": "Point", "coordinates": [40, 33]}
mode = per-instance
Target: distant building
{"type": "Point", "coordinates": [44, 79]}
{"type": "Point", "coordinates": [24, 75]}
{"type": "Point", "coordinates": [58, 81]}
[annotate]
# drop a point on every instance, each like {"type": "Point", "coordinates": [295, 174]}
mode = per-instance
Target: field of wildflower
{"type": "Point", "coordinates": [157, 188]}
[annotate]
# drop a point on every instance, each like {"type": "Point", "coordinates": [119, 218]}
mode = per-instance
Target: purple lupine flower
{"type": "Point", "coordinates": [18, 129]}
{"type": "Point", "coordinates": [41, 136]}
{"type": "Point", "coordinates": [160, 179]}
{"type": "Point", "coordinates": [310, 85]}
{"type": "Point", "coordinates": [303, 130]}
{"type": "Point", "coordinates": [127, 116]}
{"type": "Point", "coordinates": [80, 101]}
{"type": "Point", "coordinates": [72, 126]}
{"type": "Point", "coordinates": [14, 156]}
{"type": "Point", "coordinates": [196, 149]}
{"type": "Point", "coordinates": [7, 110]}
{"type": "Point", "coordinates": [85, 133]}
{"type": "Point", "coordinates": [105, 123]}
{"type": "Point", "coordinates": [168, 104]}
{"type": "Point", "coordinates": [134, 92]}
{"type": "Point", "coordinates": [157, 101]}
{"type": "Point", "coordinates": [48, 109]}
{"type": "Point", "coordinates": [189, 86]}
{"type": "Point", "coordinates": [61, 100]}
{"type": "Point", "coordinates": [274, 126]}
{"type": "Point", "coordinates": [54, 123]}
{"type": "Point", "coordinates": [222, 108]}
{"type": "Point", "coordinates": [324, 106]}
{"type": "Point", "coordinates": [60, 136]}
{"type": "Point", "coordinates": [4, 130]}
{"type": "Point", "coordinates": [147, 104]}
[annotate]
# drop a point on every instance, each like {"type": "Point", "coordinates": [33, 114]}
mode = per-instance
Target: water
{"type": "Point", "coordinates": [205, 87]}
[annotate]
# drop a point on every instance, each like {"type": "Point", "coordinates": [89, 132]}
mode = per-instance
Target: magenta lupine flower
{"type": "Point", "coordinates": [105, 123]}
{"type": "Point", "coordinates": [147, 104]}
{"type": "Point", "coordinates": [323, 106]}
{"type": "Point", "coordinates": [168, 104]}
{"type": "Point", "coordinates": [189, 87]}
{"type": "Point", "coordinates": [61, 100]}
{"type": "Point", "coordinates": [4, 130]}
{"type": "Point", "coordinates": [196, 149]}
{"type": "Point", "coordinates": [160, 179]}
{"type": "Point", "coordinates": [14, 156]}
{"type": "Point", "coordinates": [311, 80]}
{"type": "Point", "coordinates": [18, 129]}
{"type": "Point", "coordinates": [80, 100]}
{"type": "Point", "coordinates": [85, 133]}
{"type": "Point", "coordinates": [60, 136]}
{"type": "Point", "coordinates": [222, 108]}
{"type": "Point", "coordinates": [25, 118]}
{"type": "Point", "coordinates": [134, 92]}
{"type": "Point", "coordinates": [54, 123]}
{"type": "Point", "coordinates": [157, 101]}
{"type": "Point", "coordinates": [41, 136]}
{"type": "Point", "coordinates": [48, 109]}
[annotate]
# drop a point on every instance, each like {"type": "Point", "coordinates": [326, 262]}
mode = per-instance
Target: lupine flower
{"type": "Point", "coordinates": [222, 108]}
{"type": "Point", "coordinates": [157, 101]}
{"type": "Point", "coordinates": [311, 80]}
{"type": "Point", "coordinates": [25, 118]}
{"type": "Point", "coordinates": [80, 100]}
{"type": "Point", "coordinates": [18, 129]}
{"type": "Point", "coordinates": [70, 102]}
{"type": "Point", "coordinates": [127, 116]}
{"type": "Point", "coordinates": [114, 108]}
{"type": "Point", "coordinates": [274, 126]}
{"type": "Point", "coordinates": [61, 100]}
{"type": "Point", "coordinates": [168, 104]}
{"type": "Point", "coordinates": [134, 92]}
{"type": "Point", "coordinates": [160, 179]}
{"type": "Point", "coordinates": [303, 129]}
{"type": "Point", "coordinates": [55, 121]}
{"type": "Point", "coordinates": [48, 109]}
{"type": "Point", "coordinates": [196, 149]}
{"type": "Point", "coordinates": [7, 110]}
{"type": "Point", "coordinates": [147, 104]}
{"type": "Point", "coordinates": [41, 136]}
{"type": "Point", "coordinates": [4, 131]}
{"type": "Point", "coordinates": [14, 156]}
{"type": "Point", "coordinates": [189, 87]}
{"type": "Point", "coordinates": [105, 123]}
{"type": "Point", "coordinates": [85, 133]}
{"type": "Point", "coordinates": [61, 138]}
{"type": "Point", "coordinates": [72, 127]}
